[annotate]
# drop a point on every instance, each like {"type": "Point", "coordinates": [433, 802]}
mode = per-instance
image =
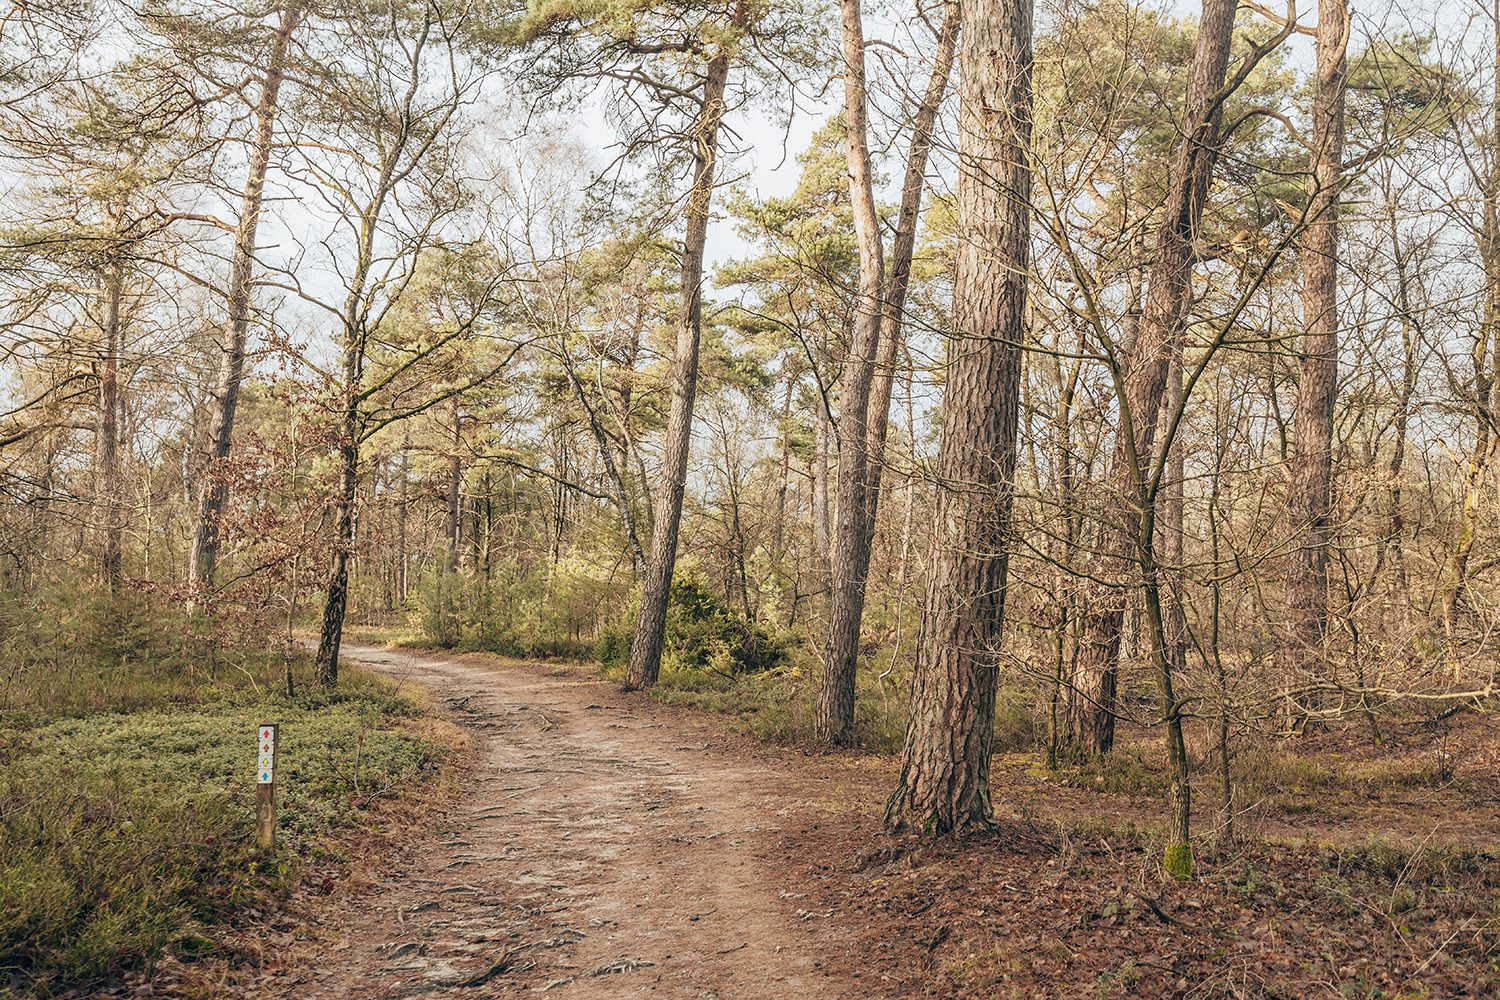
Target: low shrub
{"type": "Point", "coordinates": [704, 633]}
{"type": "Point", "coordinates": [612, 648]}
{"type": "Point", "coordinates": [549, 614]}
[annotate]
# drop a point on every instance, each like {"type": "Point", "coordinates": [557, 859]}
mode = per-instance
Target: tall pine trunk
{"type": "Point", "coordinates": [1141, 381]}
{"type": "Point", "coordinates": [203, 562]}
{"type": "Point", "coordinates": [851, 553]}
{"type": "Point", "coordinates": [1309, 494]}
{"type": "Point", "coordinates": [850, 559]}
{"type": "Point", "coordinates": [651, 622]}
{"type": "Point", "coordinates": [944, 781]}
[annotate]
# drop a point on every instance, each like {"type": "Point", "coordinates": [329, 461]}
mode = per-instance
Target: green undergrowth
{"type": "Point", "coordinates": [127, 783]}
{"type": "Point", "coordinates": [551, 614]}
{"type": "Point", "coordinates": [714, 660]}
{"type": "Point", "coordinates": [777, 706]}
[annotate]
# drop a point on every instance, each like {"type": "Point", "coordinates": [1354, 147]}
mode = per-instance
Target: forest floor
{"type": "Point", "coordinates": [606, 845]}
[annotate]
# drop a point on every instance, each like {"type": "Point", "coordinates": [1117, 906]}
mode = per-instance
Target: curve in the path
{"type": "Point", "coordinates": [604, 847]}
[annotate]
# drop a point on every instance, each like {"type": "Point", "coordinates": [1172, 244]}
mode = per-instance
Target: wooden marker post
{"type": "Point", "coordinates": [265, 786]}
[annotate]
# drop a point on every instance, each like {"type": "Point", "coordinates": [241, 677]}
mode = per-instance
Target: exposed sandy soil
{"type": "Point", "coordinates": [606, 845]}
{"type": "Point", "coordinates": [603, 847]}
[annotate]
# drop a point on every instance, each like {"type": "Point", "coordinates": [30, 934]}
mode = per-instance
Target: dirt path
{"type": "Point", "coordinates": [604, 847]}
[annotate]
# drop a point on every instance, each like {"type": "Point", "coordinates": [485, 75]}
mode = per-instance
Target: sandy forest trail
{"type": "Point", "coordinates": [603, 847]}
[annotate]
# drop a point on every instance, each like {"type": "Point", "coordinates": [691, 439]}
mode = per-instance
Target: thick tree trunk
{"type": "Point", "coordinates": [860, 460]}
{"type": "Point", "coordinates": [944, 781]}
{"type": "Point", "coordinates": [1309, 493]}
{"type": "Point", "coordinates": [651, 623]}
{"type": "Point", "coordinates": [107, 431]}
{"type": "Point", "coordinates": [203, 562]}
{"type": "Point", "coordinates": [850, 559]}
{"type": "Point", "coordinates": [1142, 382]}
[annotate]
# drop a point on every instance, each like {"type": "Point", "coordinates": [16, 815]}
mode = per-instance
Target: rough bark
{"type": "Point", "coordinates": [203, 561]}
{"type": "Point", "coordinates": [834, 716]}
{"type": "Point", "coordinates": [1309, 493]}
{"type": "Point", "coordinates": [836, 704]}
{"type": "Point", "coordinates": [651, 622]}
{"type": "Point", "coordinates": [944, 780]}
{"type": "Point", "coordinates": [1142, 382]}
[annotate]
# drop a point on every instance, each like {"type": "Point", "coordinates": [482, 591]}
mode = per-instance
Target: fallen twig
{"type": "Point", "coordinates": [1161, 914]}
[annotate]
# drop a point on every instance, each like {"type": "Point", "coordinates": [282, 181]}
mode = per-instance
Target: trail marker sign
{"type": "Point", "coordinates": [265, 785]}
